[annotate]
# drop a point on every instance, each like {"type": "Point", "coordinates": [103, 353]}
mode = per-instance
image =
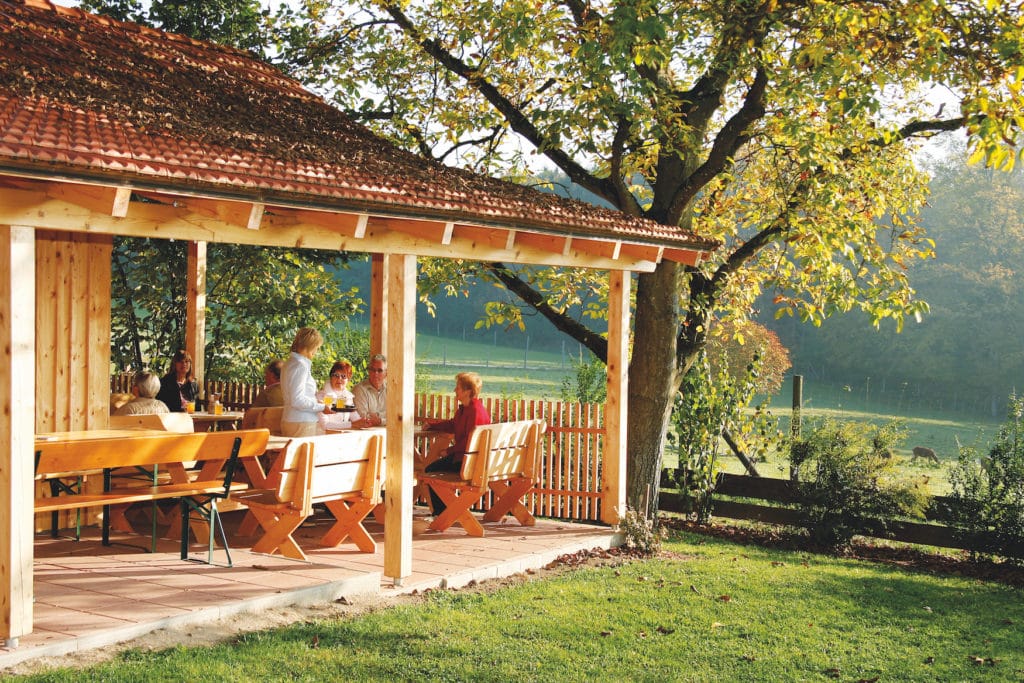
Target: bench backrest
{"type": "Point", "coordinates": [330, 467]}
{"type": "Point", "coordinates": [147, 450]}
{"type": "Point", "coordinates": [503, 450]}
{"type": "Point", "coordinates": [165, 422]}
{"type": "Point", "coordinates": [269, 417]}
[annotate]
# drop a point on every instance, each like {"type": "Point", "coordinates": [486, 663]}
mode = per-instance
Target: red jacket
{"type": "Point", "coordinates": [466, 418]}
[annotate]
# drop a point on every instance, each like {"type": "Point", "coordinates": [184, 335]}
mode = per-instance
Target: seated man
{"type": "Point", "coordinates": [271, 394]}
{"type": "Point", "coordinates": [145, 388]}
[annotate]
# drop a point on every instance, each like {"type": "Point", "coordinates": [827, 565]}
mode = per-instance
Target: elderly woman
{"type": "Point", "coordinates": [470, 413]}
{"type": "Point", "coordinates": [336, 385]}
{"type": "Point", "coordinates": [302, 409]}
{"type": "Point", "coordinates": [145, 388]}
{"type": "Point", "coordinates": [179, 386]}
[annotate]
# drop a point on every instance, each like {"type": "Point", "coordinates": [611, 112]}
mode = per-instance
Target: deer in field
{"type": "Point", "coordinates": [926, 454]}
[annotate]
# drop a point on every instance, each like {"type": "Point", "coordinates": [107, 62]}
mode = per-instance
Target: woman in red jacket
{"type": "Point", "coordinates": [470, 413]}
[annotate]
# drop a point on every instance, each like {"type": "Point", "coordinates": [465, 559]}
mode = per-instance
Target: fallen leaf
{"type": "Point", "coordinates": [343, 601]}
{"type": "Point", "coordinates": [641, 579]}
{"type": "Point", "coordinates": [605, 634]}
{"type": "Point", "coordinates": [315, 642]}
{"type": "Point", "coordinates": [927, 608]}
{"type": "Point", "coordinates": [717, 624]}
{"type": "Point", "coordinates": [832, 673]}
{"type": "Point", "coordinates": [665, 630]}
{"type": "Point", "coordinates": [929, 660]}
{"type": "Point", "coordinates": [694, 589]}
{"type": "Point", "coordinates": [642, 634]}
{"type": "Point", "coordinates": [748, 658]}
{"type": "Point", "coordinates": [778, 564]}
{"type": "Point", "coordinates": [725, 598]}
{"type": "Point", "coordinates": [868, 680]}
{"type": "Point", "coordinates": [262, 567]}
{"type": "Point", "coordinates": [1007, 622]}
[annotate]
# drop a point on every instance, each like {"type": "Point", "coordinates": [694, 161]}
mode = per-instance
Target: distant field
{"type": "Point", "coordinates": [515, 373]}
{"type": "Point", "coordinates": [506, 371]}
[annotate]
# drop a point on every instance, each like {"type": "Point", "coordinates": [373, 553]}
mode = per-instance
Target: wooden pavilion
{"type": "Point", "coordinates": [108, 128]}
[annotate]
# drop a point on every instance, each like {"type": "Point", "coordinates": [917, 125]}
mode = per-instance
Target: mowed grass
{"type": "Point", "coordinates": [707, 610]}
{"type": "Point", "coordinates": [506, 372]}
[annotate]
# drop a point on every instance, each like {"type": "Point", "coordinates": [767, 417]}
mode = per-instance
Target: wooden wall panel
{"type": "Point", "coordinates": [72, 339]}
{"type": "Point", "coordinates": [72, 331]}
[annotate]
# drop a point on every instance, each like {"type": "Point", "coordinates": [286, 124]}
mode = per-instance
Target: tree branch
{"type": "Point", "coordinates": [733, 135]}
{"type": "Point", "coordinates": [595, 343]}
{"type": "Point", "coordinates": [513, 115]}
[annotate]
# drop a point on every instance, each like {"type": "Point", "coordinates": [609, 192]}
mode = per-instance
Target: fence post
{"type": "Point", "coordinates": [794, 423]}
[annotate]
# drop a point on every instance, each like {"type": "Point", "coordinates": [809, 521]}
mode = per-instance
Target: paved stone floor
{"type": "Point", "coordinates": [88, 595]}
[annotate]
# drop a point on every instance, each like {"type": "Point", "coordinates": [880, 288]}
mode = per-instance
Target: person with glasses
{"type": "Point", "coordinates": [179, 386]}
{"type": "Point", "coordinates": [370, 395]}
{"type": "Point", "coordinates": [336, 385]}
{"type": "Point", "coordinates": [302, 409]}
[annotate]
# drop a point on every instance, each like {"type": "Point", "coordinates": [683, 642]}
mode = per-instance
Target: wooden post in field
{"type": "Point", "coordinates": [794, 422]}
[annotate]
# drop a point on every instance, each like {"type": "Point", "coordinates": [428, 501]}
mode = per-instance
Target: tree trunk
{"type": "Point", "coordinates": [653, 381]}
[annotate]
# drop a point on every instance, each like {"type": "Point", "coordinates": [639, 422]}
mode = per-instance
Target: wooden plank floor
{"type": "Point", "coordinates": [88, 595]}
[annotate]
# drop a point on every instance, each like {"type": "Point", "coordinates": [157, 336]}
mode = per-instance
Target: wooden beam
{"type": "Point", "coordinates": [378, 303]}
{"type": "Point", "coordinates": [613, 459]}
{"type": "Point", "coordinates": [195, 314]}
{"type": "Point", "coordinates": [401, 411]}
{"type": "Point", "coordinates": [248, 215]}
{"type": "Point", "coordinates": [477, 243]}
{"type": "Point", "coordinates": [17, 433]}
{"type": "Point", "coordinates": [110, 201]}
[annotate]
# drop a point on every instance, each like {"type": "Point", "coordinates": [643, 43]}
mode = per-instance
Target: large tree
{"type": "Point", "coordinates": [784, 128]}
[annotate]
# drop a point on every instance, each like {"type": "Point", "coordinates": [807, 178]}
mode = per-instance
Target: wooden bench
{"type": "Point", "coordinates": [342, 471]}
{"type": "Point", "coordinates": [502, 457]}
{"type": "Point", "coordinates": [219, 451]}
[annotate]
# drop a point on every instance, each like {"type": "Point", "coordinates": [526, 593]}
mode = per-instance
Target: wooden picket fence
{"type": "Point", "coordinates": [570, 486]}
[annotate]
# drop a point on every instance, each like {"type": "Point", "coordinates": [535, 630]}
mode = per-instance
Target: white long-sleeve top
{"type": "Point", "coordinates": [299, 390]}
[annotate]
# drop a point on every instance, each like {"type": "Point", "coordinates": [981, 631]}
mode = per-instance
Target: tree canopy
{"type": "Point", "coordinates": [784, 129]}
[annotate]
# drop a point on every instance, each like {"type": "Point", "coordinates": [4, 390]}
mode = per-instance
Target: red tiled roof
{"type": "Point", "coordinates": [84, 94]}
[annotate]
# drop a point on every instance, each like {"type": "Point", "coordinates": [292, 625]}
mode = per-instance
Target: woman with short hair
{"type": "Point", "coordinates": [301, 406]}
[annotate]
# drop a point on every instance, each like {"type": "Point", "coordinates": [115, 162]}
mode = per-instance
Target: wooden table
{"type": "Point", "coordinates": [177, 471]}
{"type": "Point", "coordinates": [206, 421]}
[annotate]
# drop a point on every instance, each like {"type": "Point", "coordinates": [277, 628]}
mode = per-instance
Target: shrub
{"type": "Point", "coordinates": [708, 402]}
{"type": "Point", "coordinates": [640, 533]}
{"type": "Point", "coordinates": [988, 492]}
{"type": "Point", "coordinates": [847, 486]}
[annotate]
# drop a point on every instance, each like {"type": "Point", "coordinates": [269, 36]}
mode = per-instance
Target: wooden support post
{"type": "Point", "coordinates": [378, 303]}
{"type": "Point", "coordinates": [17, 428]}
{"type": "Point", "coordinates": [195, 316]}
{"type": "Point", "coordinates": [400, 341]}
{"type": "Point", "coordinates": [613, 459]}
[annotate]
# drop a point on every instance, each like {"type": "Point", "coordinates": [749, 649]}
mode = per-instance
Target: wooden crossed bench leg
{"type": "Point", "coordinates": [508, 497]}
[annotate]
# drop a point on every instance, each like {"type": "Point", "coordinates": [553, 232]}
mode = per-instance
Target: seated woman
{"type": "Point", "coordinates": [336, 385]}
{"type": "Point", "coordinates": [179, 386]}
{"type": "Point", "coordinates": [470, 413]}
{"type": "Point", "coordinates": [145, 388]}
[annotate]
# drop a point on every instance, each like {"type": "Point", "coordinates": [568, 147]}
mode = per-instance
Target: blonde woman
{"type": "Point", "coordinates": [302, 409]}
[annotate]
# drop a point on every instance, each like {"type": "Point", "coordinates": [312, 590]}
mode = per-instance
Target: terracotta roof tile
{"type": "Point", "coordinates": [188, 111]}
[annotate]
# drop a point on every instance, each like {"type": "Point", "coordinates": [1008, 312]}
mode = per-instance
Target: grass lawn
{"type": "Point", "coordinates": [706, 610]}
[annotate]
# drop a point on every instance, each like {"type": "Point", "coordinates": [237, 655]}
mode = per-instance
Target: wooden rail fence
{"type": "Point", "coordinates": [570, 485]}
{"type": "Point", "coordinates": [776, 494]}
